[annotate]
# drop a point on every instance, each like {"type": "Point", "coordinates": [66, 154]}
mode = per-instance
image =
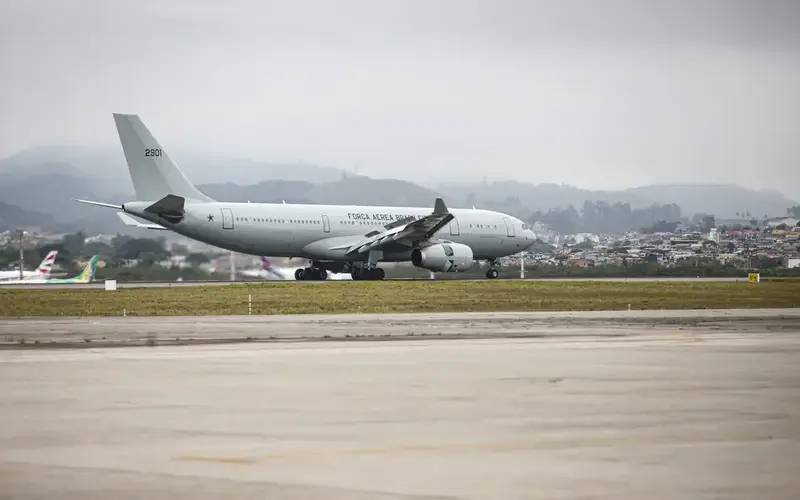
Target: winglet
{"type": "Point", "coordinates": [439, 207]}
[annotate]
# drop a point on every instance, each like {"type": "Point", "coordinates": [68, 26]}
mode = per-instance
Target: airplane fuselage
{"type": "Point", "coordinates": [292, 230]}
{"type": "Point", "coordinates": [14, 275]}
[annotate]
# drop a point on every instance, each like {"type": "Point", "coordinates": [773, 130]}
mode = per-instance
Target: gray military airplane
{"type": "Point", "coordinates": [337, 238]}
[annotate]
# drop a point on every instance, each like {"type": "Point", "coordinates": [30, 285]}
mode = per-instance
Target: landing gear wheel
{"type": "Point", "coordinates": [492, 273]}
{"type": "Point", "coordinates": [368, 274]}
{"type": "Point", "coordinates": [310, 274]}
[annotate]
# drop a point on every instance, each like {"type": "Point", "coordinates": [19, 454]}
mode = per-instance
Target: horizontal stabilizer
{"type": "Point", "coordinates": [130, 221]}
{"type": "Point", "coordinates": [98, 203]}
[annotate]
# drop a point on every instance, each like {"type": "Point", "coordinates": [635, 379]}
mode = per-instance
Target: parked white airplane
{"type": "Point", "coordinates": [337, 238]}
{"type": "Point", "coordinates": [85, 276]}
{"type": "Point", "coordinates": [270, 271]}
{"type": "Point", "coordinates": [40, 273]}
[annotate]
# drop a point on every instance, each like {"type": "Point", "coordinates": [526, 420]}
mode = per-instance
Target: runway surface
{"type": "Point", "coordinates": [89, 332]}
{"type": "Point", "coordinates": [179, 284]}
{"type": "Point", "coordinates": [579, 405]}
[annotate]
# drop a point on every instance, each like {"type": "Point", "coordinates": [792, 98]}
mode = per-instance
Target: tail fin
{"type": "Point", "coordinates": [47, 264]}
{"type": "Point", "coordinates": [87, 275]}
{"type": "Point", "coordinates": [154, 175]}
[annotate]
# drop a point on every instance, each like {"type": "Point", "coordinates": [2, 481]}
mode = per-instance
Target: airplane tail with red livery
{"type": "Point", "coordinates": [44, 269]}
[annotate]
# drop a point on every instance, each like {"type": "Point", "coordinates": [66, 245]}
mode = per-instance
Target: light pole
{"type": "Point", "coordinates": [21, 235]}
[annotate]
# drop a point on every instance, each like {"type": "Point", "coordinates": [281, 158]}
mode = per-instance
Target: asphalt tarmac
{"type": "Point", "coordinates": [119, 331]}
{"type": "Point", "coordinates": [678, 404]}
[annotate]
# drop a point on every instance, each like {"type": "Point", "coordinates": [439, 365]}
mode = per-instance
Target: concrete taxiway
{"type": "Point", "coordinates": [561, 405]}
{"type": "Point", "coordinates": [36, 332]}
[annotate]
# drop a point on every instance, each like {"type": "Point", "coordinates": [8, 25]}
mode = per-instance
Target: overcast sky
{"type": "Point", "coordinates": [599, 94]}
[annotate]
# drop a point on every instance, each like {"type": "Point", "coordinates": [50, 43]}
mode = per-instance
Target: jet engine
{"type": "Point", "coordinates": [448, 257]}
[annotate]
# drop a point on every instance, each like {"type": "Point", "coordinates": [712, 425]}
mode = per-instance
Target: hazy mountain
{"type": "Point", "coordinates": [53, 194]}
{"type": "Point", "coordinates": [44, 181]}
{"type": "Point", "coordinates": [263, 192]}
{"type": "Point", "coordinates": [13, 217]}
{"type": "Point", "coordinates": [201, 168]}
{"type": "Point", "coordinates": [72, 160]}
{"type": "Point", "coordinates": [521, 198]}
{"type": "Point", "coordinates": [210, 168]}
{"type": "Point", "coordinates": [723, 200]}
{"type": "Point", "coordinates": [349, 190]}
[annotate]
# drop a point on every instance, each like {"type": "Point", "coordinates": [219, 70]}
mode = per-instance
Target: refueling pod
{"type": "Point", "coordinates": [447, 257]}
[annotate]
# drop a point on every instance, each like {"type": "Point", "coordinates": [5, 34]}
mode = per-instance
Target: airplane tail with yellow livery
{"type": "Point", "coordinates": [86, 276]}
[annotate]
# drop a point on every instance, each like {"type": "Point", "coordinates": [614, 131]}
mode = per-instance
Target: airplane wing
{"type": "Point", "coordinates": [130, 221]}
{"type": "Point", "coordinates": [407, 232]}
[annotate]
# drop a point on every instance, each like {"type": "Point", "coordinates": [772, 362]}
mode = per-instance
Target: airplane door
{"type": "Point", "coordinates": [454, 231]}
{"type": "Point", "coordinates": [326, 224]}
{"type": "Point", "coordinates": [227, 218]}
{"type": "Point", "coordinates": [509, 227]}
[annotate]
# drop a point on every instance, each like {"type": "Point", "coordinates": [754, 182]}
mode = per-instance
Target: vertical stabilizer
{"type": "Point", "coordinates": [87, 275]}
{"type": "Point", "coordinates": [153, 173]}
{"type": "Point", "coordinates": [47, 264]}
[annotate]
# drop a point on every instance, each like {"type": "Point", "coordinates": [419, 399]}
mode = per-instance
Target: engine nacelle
{"type": "Point", "coordinates": [448, 257]}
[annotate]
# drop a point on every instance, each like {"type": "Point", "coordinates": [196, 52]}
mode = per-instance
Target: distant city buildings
{"type": "Point", "coordinates": [769, 243]}
{"type": "Point", "coordinates": [741, 244]}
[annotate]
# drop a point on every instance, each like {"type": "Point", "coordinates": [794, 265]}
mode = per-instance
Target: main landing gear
{"type": "Point", "coordinates": [362, 273]}
{"type": "Point", "coordinates": [311, 273]}
{"type": "Point", "coordinates": [494, 269]}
